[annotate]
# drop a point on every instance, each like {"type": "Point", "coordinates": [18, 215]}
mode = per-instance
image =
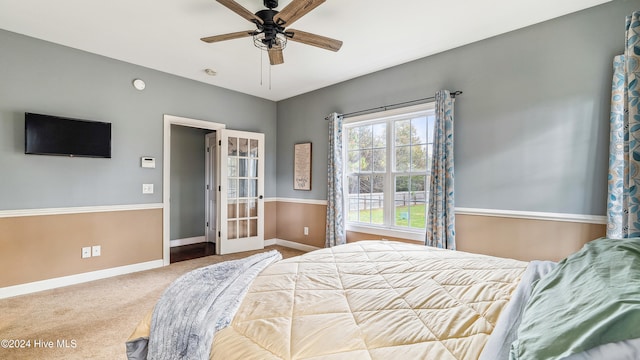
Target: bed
{"type": "Point", "coordinates": [391, 300]}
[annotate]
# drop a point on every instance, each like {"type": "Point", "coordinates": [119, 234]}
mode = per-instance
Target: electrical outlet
{"type": "Point", "coordinates": [86, 252]}
{"type": "Point", "coordinates": [95, 250]}
{"type": "Point", "coordinates": [306, 230]}
{"type": "Point", "coordinates": [147, 188]}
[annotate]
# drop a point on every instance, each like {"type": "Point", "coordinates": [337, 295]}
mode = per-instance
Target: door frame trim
{"type": "Point", "coordinates": [166, 173]}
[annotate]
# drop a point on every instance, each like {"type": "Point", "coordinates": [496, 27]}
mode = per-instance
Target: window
{"type": "Point", "coordinates": [387, 168]}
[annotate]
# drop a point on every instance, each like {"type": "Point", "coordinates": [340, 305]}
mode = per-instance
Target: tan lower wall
{"type": "Point", "coordinates": [523, 239]}
{"type": "Point", "coordinates": [34, 248]}
{"type": "Point", "coordinates": [353, 236]}
{"type": "Point", "coordinates": [292, 217]}
{"type": "Point", "coordinates": [270, 209]}
{"type": "Point", "coordinates": [517, 238]}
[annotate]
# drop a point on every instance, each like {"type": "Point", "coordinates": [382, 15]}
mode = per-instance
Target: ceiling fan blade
{"type": "Point", "coordinates": [295, 10]}
{"type": "Point", "coordinates": [314, 40]}
{"type": "Point", "coordinates": [275, 56]}
{"type": "Point", "coordinates": [229, 36]}
{"type": "Point", "coordinates": [240, 10]}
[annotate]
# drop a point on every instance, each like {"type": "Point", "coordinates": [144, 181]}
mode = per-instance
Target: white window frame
{"type": "Point", "coordinates": [386, 229]}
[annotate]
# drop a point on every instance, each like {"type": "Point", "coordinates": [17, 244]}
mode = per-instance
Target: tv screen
{"type": "Point", "coordinates": [54, 135]}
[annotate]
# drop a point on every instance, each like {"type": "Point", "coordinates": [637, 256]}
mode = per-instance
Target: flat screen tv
{"type": "Point", "coordinates": [55, 135]}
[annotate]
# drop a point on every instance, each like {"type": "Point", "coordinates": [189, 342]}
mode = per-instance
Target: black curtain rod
{"type": "Point", "coordinates": [386, 107]}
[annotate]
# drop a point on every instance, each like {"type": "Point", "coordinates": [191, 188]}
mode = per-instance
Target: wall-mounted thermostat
{"type": "Point", "coordinates": [148, 162]}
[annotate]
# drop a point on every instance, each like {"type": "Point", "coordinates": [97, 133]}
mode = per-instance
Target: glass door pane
{"type": "Point", "coordinates": [243, 175]}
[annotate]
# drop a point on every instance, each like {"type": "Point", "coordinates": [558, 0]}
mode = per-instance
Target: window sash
{"type": "Point", "coordinates": [390, 172]}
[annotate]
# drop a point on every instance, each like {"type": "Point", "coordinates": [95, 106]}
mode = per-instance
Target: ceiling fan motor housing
{"type": "Point", "coordinates": [271, 4]}
{"type": "Point", "coordinates": [269, 27]}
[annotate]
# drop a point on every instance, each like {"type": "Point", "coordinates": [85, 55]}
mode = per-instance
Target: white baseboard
{"type": "Point", "coordinates": [290, 244]}
{"type": "Point", "coordinates": [188, 241]}
{"type": "Point", "coordinates": [48, 284]}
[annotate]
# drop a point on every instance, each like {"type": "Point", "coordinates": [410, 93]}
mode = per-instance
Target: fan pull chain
{"type": "Point", "coordinates": [262, 70]}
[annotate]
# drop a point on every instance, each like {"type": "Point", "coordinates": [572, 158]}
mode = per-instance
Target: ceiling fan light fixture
{"type": "Point", "coordinates": [279, 42]}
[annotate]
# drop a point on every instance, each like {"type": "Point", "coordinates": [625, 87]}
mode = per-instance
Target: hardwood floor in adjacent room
{"type": "Point", "coordinates": [193, 251]}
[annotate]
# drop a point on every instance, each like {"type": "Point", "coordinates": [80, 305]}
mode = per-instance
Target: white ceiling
{"type": "Point", "coordinates": [164, 35]}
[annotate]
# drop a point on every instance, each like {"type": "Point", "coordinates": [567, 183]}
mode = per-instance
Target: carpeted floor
{"type": "Point", "coordinates": [91, 320]}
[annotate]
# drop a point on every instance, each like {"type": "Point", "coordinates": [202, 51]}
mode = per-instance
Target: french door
{"type": "Point", "coordinates": [241, 189]}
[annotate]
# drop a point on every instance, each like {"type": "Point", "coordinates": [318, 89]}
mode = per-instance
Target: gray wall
{"type": "Point", "coordinates": [41, 77]}
{"type": "Point", "coordinates": [531, 129]}
{"type": "Point", "coordinates": [531, 126]}
{"type": "Point", "coordinates": [187, 182]}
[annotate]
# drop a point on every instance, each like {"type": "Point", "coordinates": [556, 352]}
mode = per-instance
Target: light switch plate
{"type": "Point", "coordinates": [147, 188]}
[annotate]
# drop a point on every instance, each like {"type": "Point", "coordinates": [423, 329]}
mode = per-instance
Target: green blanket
{"type": "Point", "coordinates": [591, 298]}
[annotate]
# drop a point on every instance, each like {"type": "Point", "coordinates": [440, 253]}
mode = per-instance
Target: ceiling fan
{"type": "Point", "coordinates": [272, 32]}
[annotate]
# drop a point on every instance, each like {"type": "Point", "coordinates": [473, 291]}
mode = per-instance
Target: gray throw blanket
{"type": "Point", "coordinates": [197, 305]}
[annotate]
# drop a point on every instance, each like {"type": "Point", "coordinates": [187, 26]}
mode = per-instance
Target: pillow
{"type": "Point", "coordinates": [591, 298]}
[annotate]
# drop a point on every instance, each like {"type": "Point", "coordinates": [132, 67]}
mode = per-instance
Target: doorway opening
{"type": "Point", "coordinates": [187, 171]}
{"type": "Point", "coordinates": [193, 199]}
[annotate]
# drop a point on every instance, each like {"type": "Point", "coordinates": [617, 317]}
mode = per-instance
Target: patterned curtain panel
{"type": "Point", "coordinates": [440, 215]}
{"type": "Point", "coordinates": [335, 217]}
{"type": "Point", "coordinates": [623, 201]}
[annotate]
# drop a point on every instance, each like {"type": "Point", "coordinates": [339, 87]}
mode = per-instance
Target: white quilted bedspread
{"type": "Point", "coordinates": [371, 300]}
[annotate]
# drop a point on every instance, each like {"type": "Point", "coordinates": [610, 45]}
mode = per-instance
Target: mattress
{"type": "Point", "coordinates": [368, 300]}
{"type": "Point", "coordinates": [371, 300]}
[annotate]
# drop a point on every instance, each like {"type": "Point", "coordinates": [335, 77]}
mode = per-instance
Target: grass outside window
{"type": "Point", "coordinates": [412, 216]}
